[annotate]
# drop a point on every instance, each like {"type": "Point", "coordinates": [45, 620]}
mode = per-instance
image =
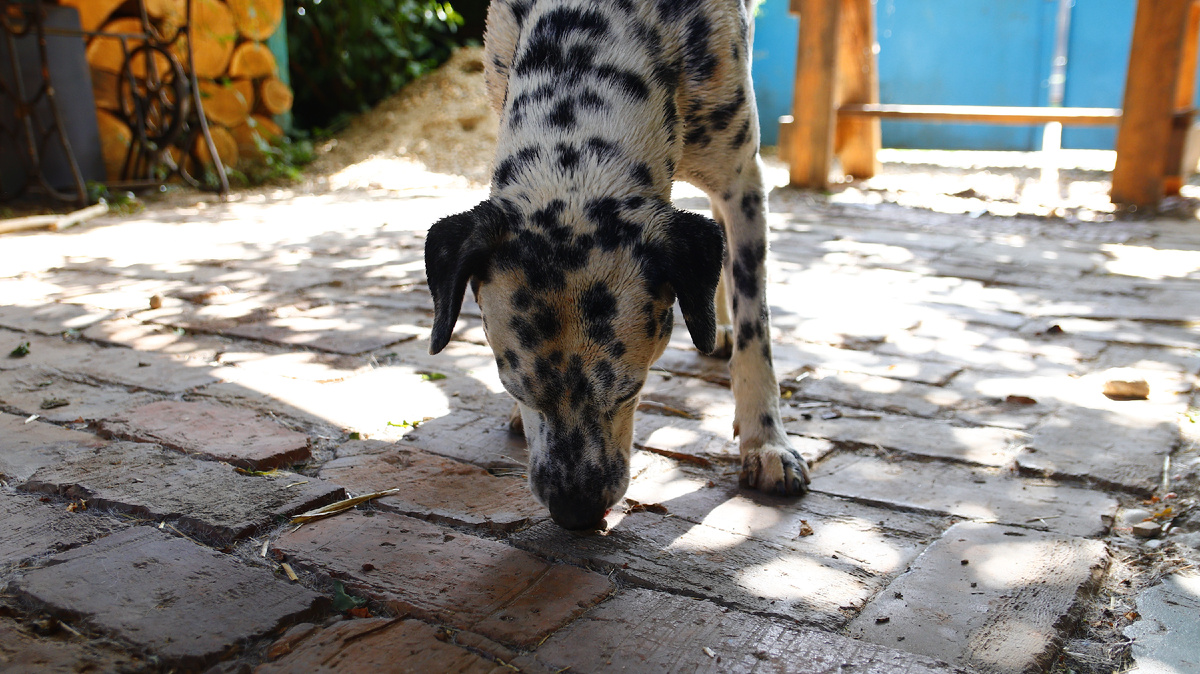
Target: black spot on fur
{"type": "Point", "coordinates": [520, 10]}
{"type": "Point", "coordinates": [629, 82]}
{"type": "Point", "coordinates": [640, 173]}
{"type": "Point", "coordinates": [747, 332]}
{"type": "Point", "coordinates": [568, 157]}
{"type": "Point", "coordinates": [616, 349]}
{"type": "Point", "coordinates": [767, 421]}
{"type": "Point", "coordinates": [698, 135]}
{"type": "Point", "coordinates": [590, 100]}
{"type": "Point", "coordinates": [747, 268]}
{"type": "Point", "coordinates": [742, 136]}
{"type": "Point", "coordinates": [699, 61]}
{"type": "Point", "coordinates": [752, 203]}
{"type": "Point", "coordinates": [598, 306]}
{"type": "Point", "coordinates": [602, 149]}
{"type": "Point", "coordinates": [507, 169]}
{"type": "Point", "coordinates": [533, 329]}
{"type": "Point", "coordinates": [612, 231]}
{"type": "Point", "coordinates": [674, 10]}
{"type": "Point", "coordinates": [604, 375]}
{"type": "Point", "coordinates": [563, 114]}
{"type": "Point", "coordinates": [723, 115]}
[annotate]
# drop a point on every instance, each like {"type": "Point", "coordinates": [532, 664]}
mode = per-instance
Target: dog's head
{"type": "Point", "coordinates": [577, 303]}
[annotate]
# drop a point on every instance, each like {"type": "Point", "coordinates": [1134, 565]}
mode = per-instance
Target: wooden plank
{"type": "Point", "coordinates": [986, 114]}
{"type": "Point", "coordinates": [810, 149]}
{"type": "Point", "coordinates": [857, 140]}
{"type": "Point", "coordinates": [1151, 85]}
{"type": "Point", "coordinates": [1175, 174]}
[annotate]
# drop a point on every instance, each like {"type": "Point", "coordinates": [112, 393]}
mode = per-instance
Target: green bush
{"type": "Point", "coordinates": [347, 55]}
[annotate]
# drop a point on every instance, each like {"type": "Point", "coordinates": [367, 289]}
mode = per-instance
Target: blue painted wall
{"type": "Point", "coordinates": [966, 52]}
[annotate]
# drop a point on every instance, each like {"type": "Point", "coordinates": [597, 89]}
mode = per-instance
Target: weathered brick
{"type": "Point", "coordinates": [873, 393]}
{"type": "Point", "coordinates": [1102, 446]}
{"type": "Point", "coordinates": [26, 446]}
{"type": "Point", "coordinates": [963, 491]}
{"type": "Point", "coordinates": [696, 531]}
{"type": "Point", "coordinates": [180, 601]}
{"type": "Point", "coordinates": [991, 598]}
{"type": "Point", "coordinates": [32, 528]}
{"type": "Point", "coordinates": [377, 644]}
{"type": "Point", "coordinates": [24, 651]}
{"type": "Point", "coordinates": [36, 391]}
{"type": "Point", "coordinates": [479, 437]}
{"type": "Point", "coordinates": [209, 497]}
{"type": "Point", "coordinates": [341, 328]}
{"type": "Point", "coordinates": [983, 445]}
{"type": "Point", "coordinates": [433, 487]}
{"type": "Point", "coordinates": [236, 436]}
{"type": "Point", "coordinates": [439, 574]}
{"type": "Point", "coordinates": [50, 319]}
{"type": "Point", "coordinates": [644, 631]}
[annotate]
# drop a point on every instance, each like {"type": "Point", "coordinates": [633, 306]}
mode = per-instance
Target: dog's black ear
{"type": "Point", "coordinates": [457, 248]}
{"type": "Point", "coordinates": [695, 252]}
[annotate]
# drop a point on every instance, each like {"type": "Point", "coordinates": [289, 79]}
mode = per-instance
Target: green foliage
{"type": "Point", "coordinates": [276, 162]}
{"type": "Point", "coordinates": [347, 56]}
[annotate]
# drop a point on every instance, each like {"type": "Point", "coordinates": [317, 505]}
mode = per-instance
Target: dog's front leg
{"type": "Point", "coordinates": [769, 463]}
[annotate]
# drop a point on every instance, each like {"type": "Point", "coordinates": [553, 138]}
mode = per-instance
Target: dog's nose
{"type": "Point", "coordinates": [577, 512]}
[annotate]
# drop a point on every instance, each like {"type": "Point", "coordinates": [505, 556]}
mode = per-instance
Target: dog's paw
{"type": "Point", "coordinates": [775, 468]}
{"type": "Point", "coordinates": [724, 342]}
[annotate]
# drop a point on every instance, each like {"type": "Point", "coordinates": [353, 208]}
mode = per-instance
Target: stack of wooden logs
{"type": "Point", "coordinates": [240, 88]}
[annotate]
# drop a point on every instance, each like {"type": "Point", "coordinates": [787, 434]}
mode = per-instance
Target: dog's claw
{"type": "Point", "coordinates": [775, 468]}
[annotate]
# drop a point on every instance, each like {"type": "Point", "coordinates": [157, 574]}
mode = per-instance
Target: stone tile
{"type": "Point", "coordinates": [987, 597]}
{"type": "Point", "coordinates": [236, 436]}
{"type": "Point", "coordinates": [36, 391]}
{"type": "Point", "coordinates": [433, 487]}
{"type": "Point", "coordinates": [24, 651]}
{"type": "Point", "coordinates": [32, 528]}
{"type": "Point", "coordinates": [707, 539]}
{"type": "Point", "coordinates": [161, 484]}
{"type": "Point", "coordinates": [1123, 331]}
{"type": "Point", "coordinates": [50, 319]}
{"type": "Point", "coordinates": [963, 491]}
{"type": "Point", "coordinates": [794, 359]}
{"type": "Point", "coordinates": [28, 446]}
{"type": "Point", "coordinates": [433, 573]}
{"type": "Point", "coordinates": [1101, 446]}
{"type": "Point", "coordinates": [185, 603]}
{"type": "Point", "coordinates": [982, 445]}
{"type": "Point", "coordinates": [646, 631]}
{"type": "Point", "coordinates": [375, 403]}
{"type": "Point", "coordinates": [695, 397]}
{"type": "Point", "coordinates": [707, 439]}
{"type": "Point", "coordinates": [377, 644]}
{"type": "Point", "coordinates": [870, 392]}
{"type": "Point", "coordinates": [1165, 637]}
{"type": "Point", "coordinates": [341, 328]}
{"type": "Point", "coordinates": [483, 439]}
{"type": "Point", "coordinates": [1170, 306]}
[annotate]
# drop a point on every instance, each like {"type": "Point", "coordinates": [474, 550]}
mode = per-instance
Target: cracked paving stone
{"type": "Point", "coordinates": [646, 631]}
{"type": "Point", "coordinates": [964, 491]}
{"type": "Point", "coordinates": [50, 319]}
{"type": "Point", "coordinates": [991, 598]}
{"type": "Point", "coordinates": [32, 528]}
{"type": "Point", "coordinates": [439, 574]}
{"type": "Point", "coordinates": [745, 549]}
{"type": "Point", "coordinates": [1109, 448]}
{"type": "Point", "coordinates": [35, 391]}
{"type": "Point", "coordinates": [236, 436]}
{"type": "Point", "coordinates": [341, 328]}
{"type": "Point", "coordinates": [984, 445]}
{"type": "Point", "coordinates": [211, 498]}
{"type": "Point", "coordinates": [30, 445]}
{"type": "Point", "coordinates": [183, 602]}
{"type": "Point", "coordinates": [432, 487]}
{"type": "Point", "coordinates": [376, 644]}
{"type": "Point", "coordinates": [1166, 634]}
{"type": "Point", "coordinates": [23, 651]}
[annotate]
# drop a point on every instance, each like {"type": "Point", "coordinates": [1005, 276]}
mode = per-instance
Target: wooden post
{"type": "Point", "coordinates": [1174, 172]}
{"type": "Point", "coordinates": [858, 138]}
{"type": "Point", "coordinates": [814, 105]}
{"type": "Point", "coordinates": [1151, 86]}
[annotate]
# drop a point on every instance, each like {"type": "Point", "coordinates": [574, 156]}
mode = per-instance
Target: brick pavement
{"type": "Point", "coordinates": [943, 373]}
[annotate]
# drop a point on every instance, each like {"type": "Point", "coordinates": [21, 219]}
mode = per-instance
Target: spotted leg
{"type": "Point", "coordinates": [769, 462]}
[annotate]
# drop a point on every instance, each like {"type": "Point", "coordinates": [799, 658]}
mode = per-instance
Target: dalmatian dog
{"type": "Point", "coordinates": [577, 257]}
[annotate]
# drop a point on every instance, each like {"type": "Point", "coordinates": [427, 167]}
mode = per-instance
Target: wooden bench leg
{"type": "Point", "coordinates": [814, 106]}
{"type": "Point", "coordinates": [858, 138]}
{"type": "Point", "coordinates": [1152, 84]}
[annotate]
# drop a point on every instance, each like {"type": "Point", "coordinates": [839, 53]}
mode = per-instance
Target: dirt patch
{"type": "Point", "coordinates": [442, 123]}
